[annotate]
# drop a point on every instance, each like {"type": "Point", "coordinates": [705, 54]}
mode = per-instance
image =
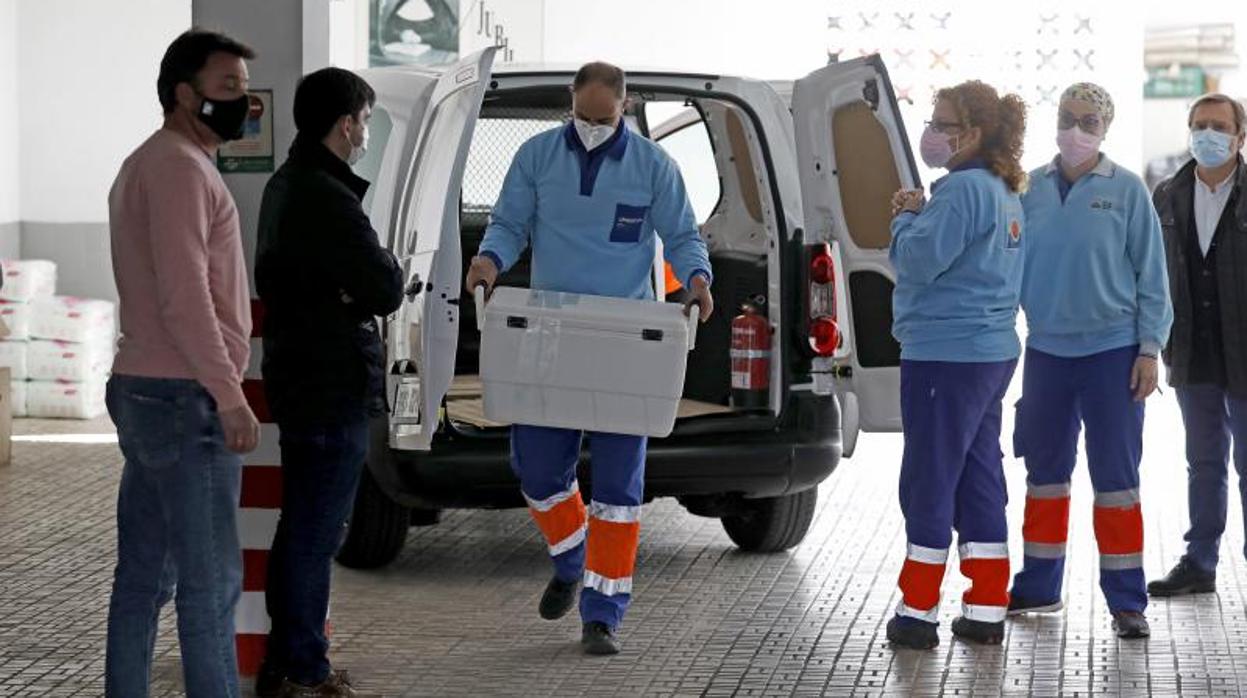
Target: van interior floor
{"type": "Point", "coordinates": [465, 405]}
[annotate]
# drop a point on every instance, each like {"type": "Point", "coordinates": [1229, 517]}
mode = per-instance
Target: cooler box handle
{"type": "Point", "coordinates": [694, 319]}
{"type": "Point", "coordinates": [479, 294]}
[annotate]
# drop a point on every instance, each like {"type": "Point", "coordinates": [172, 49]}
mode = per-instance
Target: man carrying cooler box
{"type": "Point", "coordinates": [589, 197]}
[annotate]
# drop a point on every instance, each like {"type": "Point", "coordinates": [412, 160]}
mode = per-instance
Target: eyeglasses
{"type": "Point", "coordinates": [944, 126]}
{"type": "Point", "coordinates": [1088, 123]}
{"type": "Point", "coordinates": [1218, 126]}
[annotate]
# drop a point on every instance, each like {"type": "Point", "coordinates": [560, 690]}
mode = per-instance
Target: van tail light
{"type": "Point", "coordinates": [822, 329]}
{"type": "Point", "coordinates": [824, 336]}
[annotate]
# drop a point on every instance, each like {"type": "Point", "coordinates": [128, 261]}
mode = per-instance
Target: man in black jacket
{"type": "Point", "coordinates": [323, 278]}
{"type": "Point", "coordinates": [1203, 211]}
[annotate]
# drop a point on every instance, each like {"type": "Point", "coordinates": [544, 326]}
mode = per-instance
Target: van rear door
{"type": "Point", "coordinates": [852, 155]}
{"type": "Point", "coordinates": [423, 334]}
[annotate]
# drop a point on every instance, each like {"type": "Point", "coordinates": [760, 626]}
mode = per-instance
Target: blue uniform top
{"type": "Point", "coordinates": [591, 216]}
{"type": "Point", "coordinates": [1095, 269]}
{"type": "Point", "coordinates": [959, 271]}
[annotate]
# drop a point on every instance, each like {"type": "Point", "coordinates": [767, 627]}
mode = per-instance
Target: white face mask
{"type": "Point", "coordinates": [357, 151]}
{"type": "Point", "coordinates": [593, 135]}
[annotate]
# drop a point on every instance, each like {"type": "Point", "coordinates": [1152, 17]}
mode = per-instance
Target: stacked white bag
{"type": "Point", "coordinates": [25, 282]}
{"type": "Point", "coordinates": [69, 356]}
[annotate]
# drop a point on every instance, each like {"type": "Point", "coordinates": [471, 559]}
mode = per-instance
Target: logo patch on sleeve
{"type": "Point", "coordinates": [1014, 240]}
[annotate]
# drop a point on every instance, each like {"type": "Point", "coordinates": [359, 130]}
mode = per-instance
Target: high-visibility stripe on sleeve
{"type": "Point", "coordinates": [561, 518]}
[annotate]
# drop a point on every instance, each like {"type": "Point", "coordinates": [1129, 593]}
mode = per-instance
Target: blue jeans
{"type": "Point", "coordinates": [1213, 419]}
{"type": "Point", "coordinates": [320, 469]}
{"type": "Point", "coordinates": [175, 530]}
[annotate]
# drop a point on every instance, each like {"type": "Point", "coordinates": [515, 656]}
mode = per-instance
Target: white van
{"type": "Point", "coordinates": [783, 196]}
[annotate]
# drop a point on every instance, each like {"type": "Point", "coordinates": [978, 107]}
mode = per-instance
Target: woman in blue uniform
{"type": "Point", "coordinates": [1096, 297]}
{"type": "Point", "coordinates": [958, 261]}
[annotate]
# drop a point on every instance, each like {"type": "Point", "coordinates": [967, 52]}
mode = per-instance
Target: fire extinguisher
{"type": "Point", "coordinates": [751, 359]}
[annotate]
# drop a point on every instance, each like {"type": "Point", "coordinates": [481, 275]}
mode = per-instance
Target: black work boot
{"type": "Point", "coordinates": [979, 632]}
{"type": "Point", "coordinates": [1019, 606]}
{"type": "Point", "coordinates": [268, 681]}
{"type": "Point", "coordinates": [911, 633]}
{"type": "Point", "coordinates": [1130, 625]}
{"type": "Point", "coordinates": [1184, 578]}
{"type": "Point", "coordinates": [599, 639]}
{"type": "Point", "coordinates": [559, 598]}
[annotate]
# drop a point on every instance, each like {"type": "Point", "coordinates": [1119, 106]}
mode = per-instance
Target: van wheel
{"type": "Point", "coordinates": [773, 524]}
{"type": "Point", "coordinates": [377, 530]}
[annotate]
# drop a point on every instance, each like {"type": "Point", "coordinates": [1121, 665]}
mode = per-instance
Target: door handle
{"type": "Point", "coordinates": [414, 288]}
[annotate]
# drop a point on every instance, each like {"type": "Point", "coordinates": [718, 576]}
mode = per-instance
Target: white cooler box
{"type": "Point", "coordinates": [583, 362]}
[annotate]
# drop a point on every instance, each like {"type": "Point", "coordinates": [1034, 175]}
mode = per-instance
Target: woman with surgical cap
{"type": "Point", "coordinates": [1096, 299]}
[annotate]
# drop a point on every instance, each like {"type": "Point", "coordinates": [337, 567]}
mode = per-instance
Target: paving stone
{"type": "Point", "coordinates": [455, 615]}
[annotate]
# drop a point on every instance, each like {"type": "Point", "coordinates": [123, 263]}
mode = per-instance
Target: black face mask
{"type": "Point", "coordinates": [225, 118]}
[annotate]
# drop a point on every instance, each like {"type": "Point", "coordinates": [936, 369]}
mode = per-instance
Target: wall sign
{"type": "Point", "coordinates": [254, 151]}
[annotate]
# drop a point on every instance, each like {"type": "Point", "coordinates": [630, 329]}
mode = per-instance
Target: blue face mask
{"type": "Point", "coordinates": [1211, 148]}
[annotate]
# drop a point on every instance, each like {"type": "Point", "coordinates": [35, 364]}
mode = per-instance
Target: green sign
{"type": "Point", "coordinates": [1163, 83]}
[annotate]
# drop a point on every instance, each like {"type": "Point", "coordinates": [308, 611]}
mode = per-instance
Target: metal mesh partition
{"type": "Point", "coordinates": [499, 134]}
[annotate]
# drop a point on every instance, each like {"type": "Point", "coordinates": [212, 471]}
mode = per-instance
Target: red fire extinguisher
{"type": "Point", "coordinates": [751, 359]}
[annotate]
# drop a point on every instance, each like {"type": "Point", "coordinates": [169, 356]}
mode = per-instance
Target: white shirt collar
{"type": "Point", "coordinates": [1222, 186]}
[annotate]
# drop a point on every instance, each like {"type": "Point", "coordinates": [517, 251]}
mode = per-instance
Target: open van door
{"type": "Point", "coordinates": [423, 334]}
{"type": "Point", "coordinates": [852, 155]}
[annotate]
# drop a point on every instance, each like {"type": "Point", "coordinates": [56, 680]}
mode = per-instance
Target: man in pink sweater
{"type": "Point", "coordinates": [176, 392]}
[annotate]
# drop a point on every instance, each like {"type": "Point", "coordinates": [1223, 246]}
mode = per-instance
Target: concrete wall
{"type": "Point", "coordinates": [9, 208]}
{"type": "Point", "coordinates": [80, 112]}
{"type": "Point", "coordinates": [275, 30]}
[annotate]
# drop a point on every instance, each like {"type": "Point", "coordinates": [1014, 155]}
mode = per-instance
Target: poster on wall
{"type": "Point", "coordinates": [413, 32]}
{"type": "Point", "coordinates": [254, 151]}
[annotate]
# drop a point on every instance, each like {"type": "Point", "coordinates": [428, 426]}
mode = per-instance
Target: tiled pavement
{"type": "Point", "coordinates": [455, 615]}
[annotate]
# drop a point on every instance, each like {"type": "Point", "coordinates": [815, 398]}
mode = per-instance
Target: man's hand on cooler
{"type": "Point", "coordinates": [484, 272]}
{"type": "Point", "coordinates": [699, 292]}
